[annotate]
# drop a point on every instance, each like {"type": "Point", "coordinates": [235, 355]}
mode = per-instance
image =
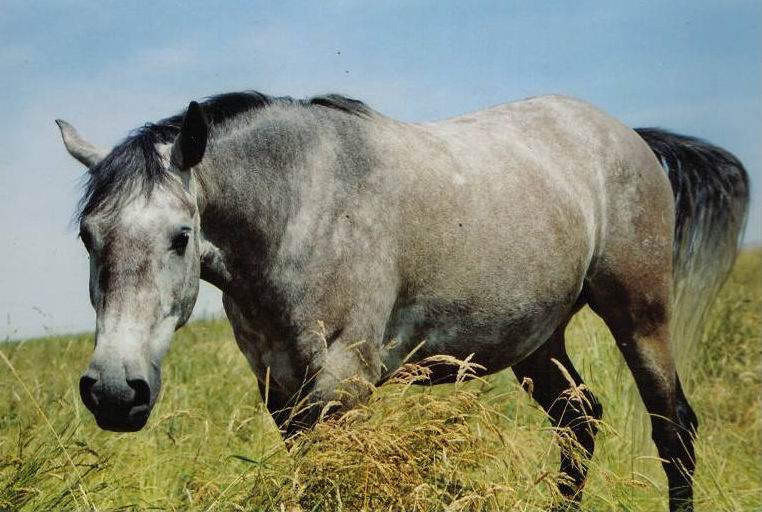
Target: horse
{"type": "Point", "coordinates": [477, 236]}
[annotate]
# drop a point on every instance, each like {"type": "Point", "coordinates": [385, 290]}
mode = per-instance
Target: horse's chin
{"type": "Point", "coordinates": [133, 422]}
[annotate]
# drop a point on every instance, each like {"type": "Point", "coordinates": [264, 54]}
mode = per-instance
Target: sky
{"type": "Point", "coordinates": [107, 67]}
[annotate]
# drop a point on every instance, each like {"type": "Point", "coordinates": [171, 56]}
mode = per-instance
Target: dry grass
{"type": "Point", "coordinates": [480, 444]}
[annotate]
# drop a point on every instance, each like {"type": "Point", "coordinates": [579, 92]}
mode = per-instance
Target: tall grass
{"type": "Point", "coordinates": [481, 444]}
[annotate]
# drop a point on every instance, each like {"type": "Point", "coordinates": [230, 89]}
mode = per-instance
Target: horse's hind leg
{"type": "Point", "coordinates": [569, 405]}
{"type": "Point", "coordinates": [633, 298]}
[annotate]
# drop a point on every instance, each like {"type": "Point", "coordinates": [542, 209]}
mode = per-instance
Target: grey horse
{"type": "Point", "coordinates": [480, 236]}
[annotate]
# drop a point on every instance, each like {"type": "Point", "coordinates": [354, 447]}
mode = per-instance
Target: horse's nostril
{"type": "Point", "coordinates": [86, 384]}
{"type": "Point", "coordinates": [142, 392]}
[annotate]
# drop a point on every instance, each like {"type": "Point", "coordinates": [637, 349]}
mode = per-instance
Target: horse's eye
{"type": "Point", "coordinates": [180, 242]}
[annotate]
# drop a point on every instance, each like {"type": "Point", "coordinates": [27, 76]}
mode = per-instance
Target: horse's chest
{"type": "Point", "coordinates": [269, 359]}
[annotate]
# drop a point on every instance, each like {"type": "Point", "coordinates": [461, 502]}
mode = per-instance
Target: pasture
{"type": "Point", "coordinates": [483, 445]}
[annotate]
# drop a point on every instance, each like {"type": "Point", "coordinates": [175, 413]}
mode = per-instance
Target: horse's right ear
{"type": "Point", "coordinates": [189, 147]}
{"type": "Point", "coordinates": [79, 148]}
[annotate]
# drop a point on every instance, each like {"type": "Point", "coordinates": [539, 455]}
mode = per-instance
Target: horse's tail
{"type": "Point", "coordinates": [711, 189]}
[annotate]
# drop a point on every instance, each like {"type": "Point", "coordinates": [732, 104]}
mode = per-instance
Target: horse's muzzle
{"type": "Point", "coordinates": [119, 404]}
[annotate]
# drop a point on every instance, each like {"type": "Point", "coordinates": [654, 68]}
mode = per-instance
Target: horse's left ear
{"type": "Point", "coordinates": [189, 147]}
{"type": "Point", "coordinates": [79, 148]}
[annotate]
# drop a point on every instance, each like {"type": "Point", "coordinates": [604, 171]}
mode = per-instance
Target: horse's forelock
{"type": "Point", "coordinates": [135, 164]}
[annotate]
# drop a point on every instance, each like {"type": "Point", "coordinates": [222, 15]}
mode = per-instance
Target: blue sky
{"type": "Point", "coordinates": [107, 67]}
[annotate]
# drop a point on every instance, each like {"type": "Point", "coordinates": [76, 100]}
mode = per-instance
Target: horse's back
{"type": "Point", "coordinates": [551, 176]}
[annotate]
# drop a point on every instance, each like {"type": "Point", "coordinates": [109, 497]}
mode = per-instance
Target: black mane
{"type": "Point", "coordinates": [135, 161]}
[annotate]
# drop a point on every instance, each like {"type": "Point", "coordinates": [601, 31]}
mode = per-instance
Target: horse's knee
{"type": "Point", "coordinates": [345, 379]}
{"type": "Point", "coordinates": [591, 414]}
{"type": "Point", "coordinates": [575, 410]}
{"type": "Point", "coordinates": [594, 408]}
{"type": "Point", "coordinates": [335, 395]}
{"type": "Point", "coordinates": [348, 369]}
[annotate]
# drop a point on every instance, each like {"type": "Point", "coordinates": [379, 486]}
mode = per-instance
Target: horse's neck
{"type": "Point", "coordinates": [245, 192]}
{"type": "Point", "coordinates": [288, 168]}
{"type": "Point", "coordinates": [228, 224]}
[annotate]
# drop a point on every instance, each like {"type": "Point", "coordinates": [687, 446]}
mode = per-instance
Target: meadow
{"type": "Point", "coordinates": [477, 445]}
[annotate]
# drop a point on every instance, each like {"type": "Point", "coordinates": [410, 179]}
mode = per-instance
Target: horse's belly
{"type": "Point", "coordinates": [497, 338]}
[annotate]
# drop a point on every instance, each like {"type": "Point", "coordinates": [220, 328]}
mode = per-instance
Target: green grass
{"type": "Point", "coordinates": [478, 445]}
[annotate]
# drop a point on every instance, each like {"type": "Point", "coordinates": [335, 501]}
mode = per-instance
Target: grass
{"type": "Point", "coordinates": [476, 445]}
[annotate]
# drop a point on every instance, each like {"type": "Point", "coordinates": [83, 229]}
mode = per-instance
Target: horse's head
{"type": "Point", "coordinates": [141, 228]}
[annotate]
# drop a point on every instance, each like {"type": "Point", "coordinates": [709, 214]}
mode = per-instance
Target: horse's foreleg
{"type": "Point", "coordinates": [281, 407]}
{"type": "Point", "coordinates": [343, 372]}
{"type": "Point", "coordinates": [569, 405]}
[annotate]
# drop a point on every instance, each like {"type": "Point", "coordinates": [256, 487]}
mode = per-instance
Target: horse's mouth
{"type": "Point", "coordinates": [118, 421]}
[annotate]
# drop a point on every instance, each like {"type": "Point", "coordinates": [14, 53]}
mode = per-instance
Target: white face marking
{"type": "Point", "coordinates": [143, 282]}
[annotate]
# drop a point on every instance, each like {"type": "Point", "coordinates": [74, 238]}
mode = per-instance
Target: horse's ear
{"type": "Point", "coordinates": [189, 147]}
{"type": "Point", "coordinates": [79, 148]}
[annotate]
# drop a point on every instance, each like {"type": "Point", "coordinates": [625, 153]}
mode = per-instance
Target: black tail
{"type": "Point", "coordinates": [711, 189]}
